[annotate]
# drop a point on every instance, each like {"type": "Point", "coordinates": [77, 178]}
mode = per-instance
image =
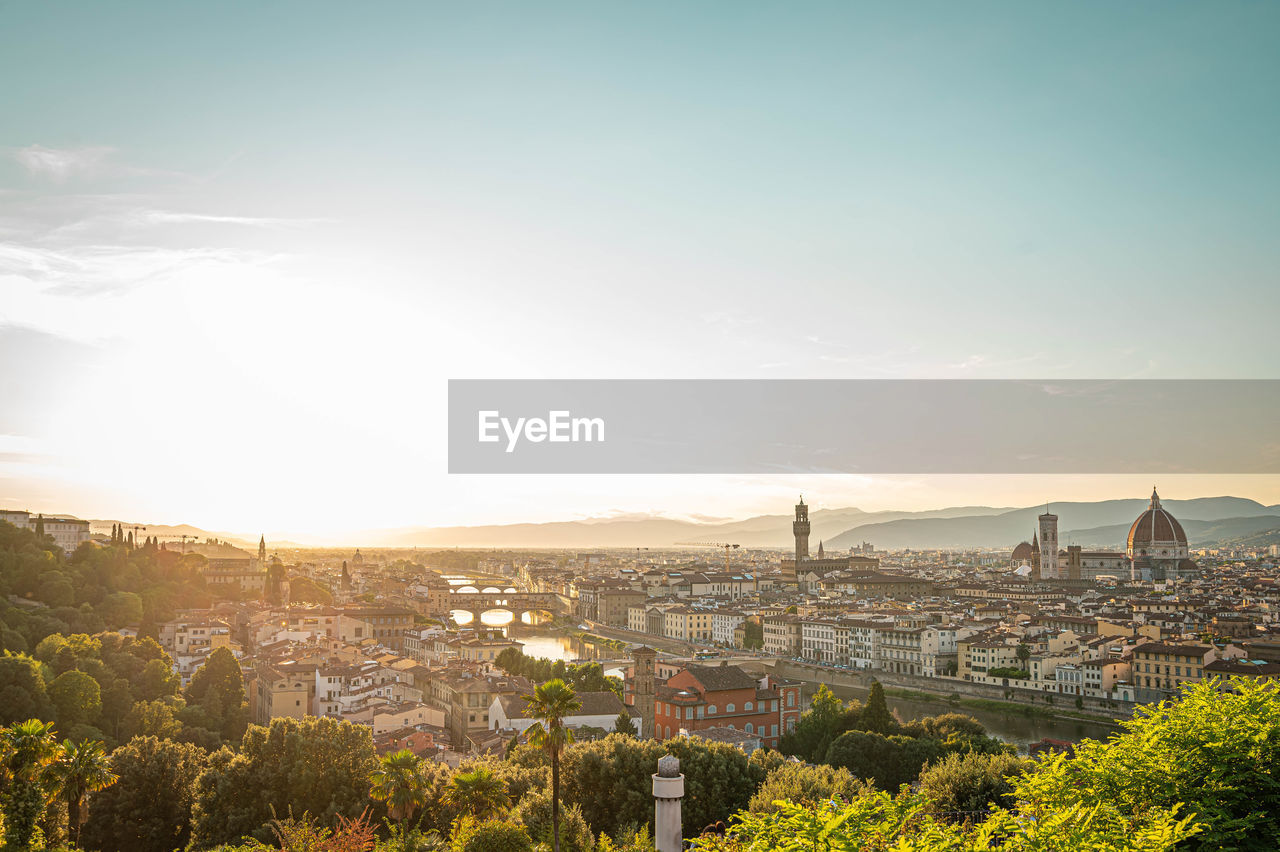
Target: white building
{"type": "Point", "coordinates": [599, 710]}
{"type": "Point", "coordinates": [67, 533]}
{"type": "Point", "coordinates": [723, 624]}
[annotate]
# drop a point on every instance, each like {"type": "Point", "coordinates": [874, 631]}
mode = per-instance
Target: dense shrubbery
{"type": "Point", "coordinates": [873, 745]}
{"type": "Point", "coordinates": [1193, 774]}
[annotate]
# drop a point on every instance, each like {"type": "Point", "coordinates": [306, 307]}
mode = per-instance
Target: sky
{"type": "Point", "coordinates": [244, 246]}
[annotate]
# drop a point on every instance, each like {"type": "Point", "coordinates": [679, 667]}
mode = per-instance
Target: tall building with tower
{"type": "Point", "coordinates": [804, 569]}
{"type": "Point", "coordinates": [1048, 546]}
{"type": "Point", "coordinates": [641, 687]}
{"type": "Point", "coordinates": [801, 529]}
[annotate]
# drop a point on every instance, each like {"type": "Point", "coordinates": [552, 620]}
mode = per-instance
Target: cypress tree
{"type": "Point", "coordinates": [875, 715]}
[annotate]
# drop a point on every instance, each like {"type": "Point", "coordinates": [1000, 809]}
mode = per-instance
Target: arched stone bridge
{"type": "Point", "coordinates": [516, 603]}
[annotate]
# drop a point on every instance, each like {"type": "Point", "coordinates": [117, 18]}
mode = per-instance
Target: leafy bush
{"type": "Point", "coordinates": [804, 785]}
{"type": "Point", "coordinates": [495, 835]}
{"type": "Point", "coordinates": [1214, 749]}
{"type": "Point", "coordinates": [534, 813]}
{"type": "Point", "coordinates": [961, 784]}
{"type": "Point", "coordinates": [878, 821]}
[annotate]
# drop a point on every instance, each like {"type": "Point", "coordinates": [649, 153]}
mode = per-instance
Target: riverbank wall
{"type": "Point", "coordinates": [1089, 706]}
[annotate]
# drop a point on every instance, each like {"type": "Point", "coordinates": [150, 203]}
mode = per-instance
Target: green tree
{"type": "Point", "coordinates": [624, 725]}
{"type": "Point", "coordinates": [77, 699]}
{"type": "Point", "coordinates": [875, 715]}
{"type": "Point", "coordinates": [27, 748]}
{"type": "Point", "coordinates": [151, 719]}
{"type": "Point", "coordinates": [22, 690]}
{"type": "Point", "coordinates": [80, 769]}
{"type": "Point", "coordinates": [399, 783]}
{"type": "Point", "coordinates": [961, 784]}
{"type": "Point", "coordinates": [1215, 749]}
{"type": "Point", "coordinates": [611, 780]}
{"type": "Point", "coordinates": [550, 704]}
{"type": "Point", "coordinates": [817, 727]}
{"type": "Point", "coordinates": [158, 680]}
{"type": "Point", "coordinates": [889, 761]}
{"type": "Point", "coordinates": [148, 809]}
{"type": "Point", "coordinates": [805, 785]}
{"type": "Point", "coordinates": [879, 821]}
{"type": "Point", "coordinates": [218, 688]}
{"type": "Point", "coordinates": [318, 766]}
{"type": "Point", "coordinates": [471, 835]}
{"type": "Point", "coordinates": [535, 813]}
{"type": "Point", "coordinates": [121, 609]}
{"type": "Point", "coordinates": [1023, 654]}
{"type": "Point", "coordinates": [478, 793]}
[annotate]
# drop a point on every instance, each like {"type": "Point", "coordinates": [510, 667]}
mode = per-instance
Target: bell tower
{"type": "Point", "coordinates": [801, 529]}
{"type": "Point", "coordinates": [643, 677]}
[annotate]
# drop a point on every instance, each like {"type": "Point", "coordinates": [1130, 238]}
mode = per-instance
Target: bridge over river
{"type": "Point", "coordinates": [516, 603]}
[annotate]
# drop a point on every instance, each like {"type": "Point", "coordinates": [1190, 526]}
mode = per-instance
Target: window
{"type": "Point", "coordinates": [711, 709]}
{"type": "Point", "coordinates": [747, 707]}
{"type": "Point", "coordinates": [728, 708]}
{"type": "Point", "coordinates": [791, 699]}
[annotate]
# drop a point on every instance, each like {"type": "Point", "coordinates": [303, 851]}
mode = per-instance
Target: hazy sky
{"type": "Point", "coordinates": [243, 246]}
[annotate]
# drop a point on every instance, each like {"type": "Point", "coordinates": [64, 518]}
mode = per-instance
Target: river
{"type": "Point", "coordinates": [1015, 728]}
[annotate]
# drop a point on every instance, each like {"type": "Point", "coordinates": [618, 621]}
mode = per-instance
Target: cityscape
{"type": "Point", "coordinates": [639, 427]}
{"type": "Point", "coordinates": [436, 654]}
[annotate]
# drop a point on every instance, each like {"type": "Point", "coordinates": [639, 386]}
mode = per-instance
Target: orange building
{"type": "Point", "coordinates": [701, 697]}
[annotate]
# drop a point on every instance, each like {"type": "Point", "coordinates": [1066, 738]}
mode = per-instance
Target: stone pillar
{"type": "Point", "coordinates": [668, 790]}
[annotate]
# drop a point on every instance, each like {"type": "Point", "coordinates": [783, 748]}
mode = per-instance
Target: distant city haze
{"type": "Point", "coordinates": [1102, 523]}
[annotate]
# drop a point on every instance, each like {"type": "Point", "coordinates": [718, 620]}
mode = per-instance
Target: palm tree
{"type": "Point", "coordinates": [78, 770]}
{"type": "Point", "coordinates": [1024, 654]}
{"type": "Point", "coordinates": [399, 782]}
{"type": "Point", "coordinates": [550, 704]}
{"type": "Point", "coordinates": [478, 792]}
{"type": "Point", "coordinates": [28, 749]}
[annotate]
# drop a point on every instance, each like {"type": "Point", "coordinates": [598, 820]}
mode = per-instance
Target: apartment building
{"type": "Point", "coordinates": [818, 641]}
{"type": "Point", "coordinates": [1160, 669]}
{"type": "Point", "coordinates": [687, 623]}
{"type": "Point", "coordinates": [724, 624]}
{"type": "Point", "coordinates": [782, 635]}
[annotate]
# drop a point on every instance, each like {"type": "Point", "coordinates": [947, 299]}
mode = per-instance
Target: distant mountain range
{"type": "Point", "coordinates": [1101, 524]}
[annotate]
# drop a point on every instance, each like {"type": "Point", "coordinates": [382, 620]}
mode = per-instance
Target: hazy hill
{"type": "Point", "coordinates": [1104, 523]}
{"type": "Point", "coordinates": [1199, 533]}
{"type": "Point", "coordinates": [759, 531]}
{"type": "Point", "coordinates": [1093, 521]}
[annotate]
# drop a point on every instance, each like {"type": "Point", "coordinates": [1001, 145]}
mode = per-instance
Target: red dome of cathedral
{"type": "Point", "coordinates": [1155, 526]}
{"type": "Point", "coordinates": [1022, 553]}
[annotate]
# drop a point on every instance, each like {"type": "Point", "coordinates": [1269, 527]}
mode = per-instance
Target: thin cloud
{"type": "Point", "coordinates": [59, 164]}
{"type": "Point", "coordinates": [100, 269]}
{"type": "Point", "coordinates": [167, 217]}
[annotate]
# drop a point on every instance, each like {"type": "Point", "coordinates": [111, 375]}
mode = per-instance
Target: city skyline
{"type": "Point", "coordinates": [824, 496]}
